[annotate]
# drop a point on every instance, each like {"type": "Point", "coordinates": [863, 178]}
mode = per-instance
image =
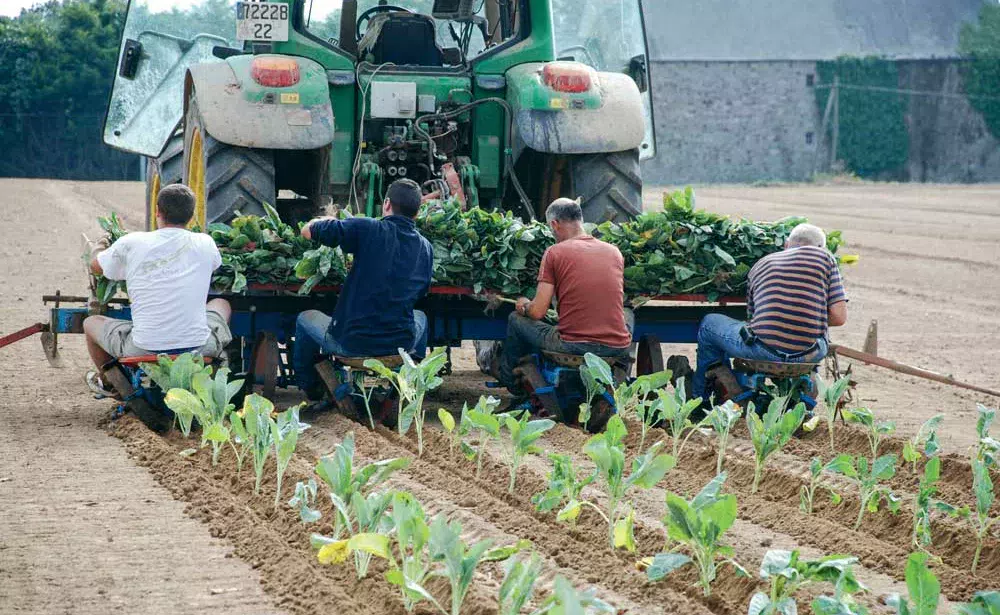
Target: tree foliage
{"type": "Point", "coordinates": [981, 43]}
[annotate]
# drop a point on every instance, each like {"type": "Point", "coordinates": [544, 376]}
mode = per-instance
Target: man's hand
{"type": "Point", "coordinates": [522, 306]}
{"type": "Point", "coordinates": [307, 232]}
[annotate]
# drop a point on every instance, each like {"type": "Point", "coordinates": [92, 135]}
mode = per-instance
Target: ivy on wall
{"type": "Point", "coordinates": [873, 141]}
{"type": "Point", "coordinates": [981, 43]}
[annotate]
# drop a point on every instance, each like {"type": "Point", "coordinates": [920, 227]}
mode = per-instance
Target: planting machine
{"type": "Point", "coordinates": [505, 104]}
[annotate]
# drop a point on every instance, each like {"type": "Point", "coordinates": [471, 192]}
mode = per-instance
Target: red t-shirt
{"type": "Point", "coordinates": [589, 278]}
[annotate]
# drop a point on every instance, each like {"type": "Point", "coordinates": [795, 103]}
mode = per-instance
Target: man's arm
{"type": "Point", "coordinates": [837, 314]}
{"type": "Point", "coordinates": [336, 233]}
{"type": "Point", "coordinates": [100, 245]}
{"type": "Point", "coordinates": [539, 306]}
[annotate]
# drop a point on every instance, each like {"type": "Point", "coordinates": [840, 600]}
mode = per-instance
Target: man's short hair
{"type": "Point", "coordinates": [564, 210]}
{"type": "Point", "coordinates": [404, 197]}
{"type": "Point", "coordinates": [806, 235]}
{"type": "Point", "coordinates": [175, 203]}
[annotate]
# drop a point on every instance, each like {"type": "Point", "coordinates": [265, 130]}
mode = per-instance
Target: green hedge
{"type": "Point", "coordinates": [873, 138]}
{"type": "Point", "coordinates": [981, 43]}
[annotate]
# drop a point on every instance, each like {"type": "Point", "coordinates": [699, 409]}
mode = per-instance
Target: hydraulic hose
{"type": "Point", "coordinates": [508, 152]}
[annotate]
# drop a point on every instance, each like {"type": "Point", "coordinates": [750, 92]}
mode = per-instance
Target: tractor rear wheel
{"type": "Point", "coordinates": [609, 185]}
{"type": "Point", "coordinates": [167, 169]}
{"type": "Point", "coordinates": [226, 179]}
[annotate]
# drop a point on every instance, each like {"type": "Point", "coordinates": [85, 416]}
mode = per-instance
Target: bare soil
{"type": "Point", "coordinates": [91, 523]}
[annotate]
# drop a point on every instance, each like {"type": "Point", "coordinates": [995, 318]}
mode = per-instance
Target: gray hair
{"type": "Point", "coordinates": [564, 210]}
{"type": "Point", "coordinates": [806, 235]}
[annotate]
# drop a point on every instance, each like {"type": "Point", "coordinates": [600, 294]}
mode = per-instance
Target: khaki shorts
{"type": "Point", "coordinates": [116, 338]}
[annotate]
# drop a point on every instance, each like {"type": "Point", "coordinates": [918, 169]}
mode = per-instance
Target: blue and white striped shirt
{"type": "Point", "coordinates": [790, 293]}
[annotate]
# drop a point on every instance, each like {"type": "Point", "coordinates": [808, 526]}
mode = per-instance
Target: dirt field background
{"type": "Point", "coordinates": [84, 528]}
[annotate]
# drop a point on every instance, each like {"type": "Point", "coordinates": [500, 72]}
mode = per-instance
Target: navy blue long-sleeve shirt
{"type": "Point", "coordinates": [392, 270]}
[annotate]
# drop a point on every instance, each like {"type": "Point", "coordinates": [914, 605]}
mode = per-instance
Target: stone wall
{"type": "Point", "coordinates": [751, 121]}
{"type": "Point", "coordinates": [728, 122]}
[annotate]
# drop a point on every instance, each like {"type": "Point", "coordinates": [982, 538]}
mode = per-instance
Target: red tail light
{"type": "Point", "coordinates": [569, 78]}
{"type": "Point", "coordinates": [274, 72]}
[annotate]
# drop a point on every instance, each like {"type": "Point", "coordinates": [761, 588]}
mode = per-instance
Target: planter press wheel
{"type": "Point", "coordinates": [649, 356]}
{"type": "Point", "coordinates": [600, 413]}
{"type": "Point", "coordinates": [265, 363]}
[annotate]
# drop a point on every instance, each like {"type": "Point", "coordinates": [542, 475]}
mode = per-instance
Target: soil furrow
{"type": "Point", "coordinates": [272, 541]}
{"type": "Point", "coordinates": [581, 549]}
{"type": "Point", "coordinates": [474, 526]}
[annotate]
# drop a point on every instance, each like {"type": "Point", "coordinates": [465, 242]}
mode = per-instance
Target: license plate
{"type": "Point", "coordinates": [262, 21]}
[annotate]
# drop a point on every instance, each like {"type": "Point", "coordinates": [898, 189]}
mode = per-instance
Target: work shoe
{"type": "Point", "coordinates": [488, 357]}
{"type": "Point", "coordinates": [98, 387]}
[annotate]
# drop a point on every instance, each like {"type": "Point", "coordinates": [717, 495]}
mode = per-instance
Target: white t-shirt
{"type": "Point", "coordinates": [168, 273]}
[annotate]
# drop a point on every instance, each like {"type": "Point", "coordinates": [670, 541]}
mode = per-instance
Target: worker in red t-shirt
{"type": "Point", "coordinates": [587, 278]}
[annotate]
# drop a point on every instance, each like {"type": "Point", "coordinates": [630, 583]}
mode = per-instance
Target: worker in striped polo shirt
{"type": "Point", "coordinates": [792, 297]}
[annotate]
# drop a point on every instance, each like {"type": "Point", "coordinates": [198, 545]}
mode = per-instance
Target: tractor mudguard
{"type": "Point", "coordinates": [237, 110]}
{"type": "Point", "coordinates": [606, 117]}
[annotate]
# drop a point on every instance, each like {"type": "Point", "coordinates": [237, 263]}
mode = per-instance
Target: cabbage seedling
{"type": "Point", "coordinates": [459, 561]}
{"type": "Point", "coordinates": [567, 600]}
{"type": "Point", "coordinates": [926, 439]}
{"type": "Point", "coordinates": [869, 478]}
{"type": "Point", "coordinates": [722, 419]}
{"type": "Point", "coordinates": [367, 530]}
{"type": "Point", "coordinates": [239, 440]}
{"type": "Point", "coordinates": [607, 451]}
{"type": "Point", "coordinates": [988, 448]}
{"type": "Point", "coordinates": [518, 583]}
{"type": "Point", "coordinates": [831, 397]}
{"type": "Point", "coordinates": [257, 419]}
{"type": "Point", "coordinates": [676, 409]}
{"type": "Point", "coordinates": [565, 485]}
{"type": "Point", "coordinates": [924, 502]}
{"type": "Point", "coordinates": [524, 433]}
{"type": "Point", "coordinates": [922, 585]}
{"type": "Point", "coordinates": [344, 480]}
{"type": "Point", "coordinates": [772, 432]}
{"type": "Point", "coordinates": [982, 485]}
{"type": "Point", "coordinates": [807, 492]}
{"type": "Point", "coordinates": [697, 525]}
{"type": "Point", "coordinates": [285, 434]}
{"type": "Point", "coordinates": [413, 381]}
{"type": "Point", "coordinates": [788, 573]}
{"type": "Point", "coordinates": [482, 420]}
{"type": "Point", "coordinates": [451, 428]}
{"type": "Point", "coordinates": [304, 500]}
{"type": "Point", "coordinates": [875, 430]}
{"type": "Point", "coordinates": [413, 568]}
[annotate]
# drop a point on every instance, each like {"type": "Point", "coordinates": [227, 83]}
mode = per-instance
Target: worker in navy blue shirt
{"type": "Point", "coordinates": [391, 272]}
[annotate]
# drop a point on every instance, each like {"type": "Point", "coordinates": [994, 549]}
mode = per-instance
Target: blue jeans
{"type": "Point", "coordinates": [312, 339]}
{"type": "Point", "coordinates": [719, 341]}
{"type": "Point", "coordinates": [527, 336]}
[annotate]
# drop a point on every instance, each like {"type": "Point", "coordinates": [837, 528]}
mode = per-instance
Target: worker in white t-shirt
{"type": "Point", "coordinates": [168, 273]}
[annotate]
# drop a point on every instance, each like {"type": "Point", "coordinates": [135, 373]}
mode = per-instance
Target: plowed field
{"type": "Point", "coordinates": [91, 523]}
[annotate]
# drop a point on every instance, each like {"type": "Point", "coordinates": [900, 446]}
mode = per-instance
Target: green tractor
{"type": "Point", "coordinates": [305, 103]}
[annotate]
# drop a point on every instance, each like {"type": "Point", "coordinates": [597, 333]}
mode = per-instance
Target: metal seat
{"type": "Point", "coordinates": [152, 358]}
{"type": "Point", "coordinates": [774, 369]}
{"type": "Point", "coordinates": [391, 361]}
{"type": "Point", "coordinates": [563, 359]}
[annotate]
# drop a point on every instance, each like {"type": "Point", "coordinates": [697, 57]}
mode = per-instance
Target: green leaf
{"type": "Point", "coordinates": [923, 586]}
{"type": "Point", "coordinates": [374, 544]}
{"type": "Point", "coordinates": [624, 533]}
{"type": "Point", "coordinates": [665, 563]}
{"type": "Point", "coordinates": [447, 420]}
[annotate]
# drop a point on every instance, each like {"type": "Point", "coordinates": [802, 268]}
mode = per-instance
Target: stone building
{"type": "Point", "coordinates": [734, 86]}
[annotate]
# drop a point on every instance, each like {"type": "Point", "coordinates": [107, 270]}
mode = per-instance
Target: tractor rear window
{"type": "Point", "coordinates": [419, 32]}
